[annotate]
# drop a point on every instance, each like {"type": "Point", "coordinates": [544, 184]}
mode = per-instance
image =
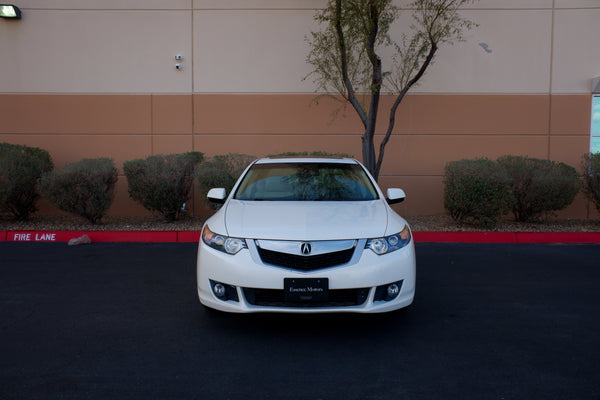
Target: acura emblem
{"type": "Point", "coordinates": [305, 248]}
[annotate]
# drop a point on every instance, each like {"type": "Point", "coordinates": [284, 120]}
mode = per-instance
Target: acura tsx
{"type": "Point", "coordinates": [306, 235]}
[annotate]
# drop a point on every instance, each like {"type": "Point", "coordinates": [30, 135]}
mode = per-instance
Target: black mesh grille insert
{"type": "Point", "coordinates": [276, 298]}
{"type": "Point", "coordinates": [305, 263]}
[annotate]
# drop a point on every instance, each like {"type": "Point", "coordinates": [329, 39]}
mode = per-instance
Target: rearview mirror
{"type": "Point", "coordinates": [395, 196]}
{"type": "Point", "coordinates": [217, 195]}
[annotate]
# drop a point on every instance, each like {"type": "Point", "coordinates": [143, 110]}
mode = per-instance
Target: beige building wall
{"type": "Point", "coordinates": [92, 78]}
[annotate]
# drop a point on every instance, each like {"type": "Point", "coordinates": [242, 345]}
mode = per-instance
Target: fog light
{"type": "Point", "coordinates": [219, 289]}
{"type": "Point", "coordinates": [388, 292]}
{"type": "Point", "coordinates": [393, 290]}
{"type": "Point", "coordinates": [224, 292]}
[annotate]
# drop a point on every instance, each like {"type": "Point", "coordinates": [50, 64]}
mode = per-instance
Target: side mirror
{"type": "Point", "coordinates": [217, 195]}
{"type": "Point", "coordinates": [395, 196]}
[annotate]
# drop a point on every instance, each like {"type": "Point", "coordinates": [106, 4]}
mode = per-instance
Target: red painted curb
{"type": "Point", "coordinates": [194, 236]}
{"type": "Point", "coordinates": [507, 237]}
{"type": "Point", "coordinates": [559, 237]}
{"type": "Point", "coordinates": [188, 236]}
{"type": "Point", "coordinates": [95, 236]}
{"type": "Point", "coordinates": [134, 236]}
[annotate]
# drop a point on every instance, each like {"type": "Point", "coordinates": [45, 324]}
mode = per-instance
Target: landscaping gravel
{"type": "Point", "coordinates": [445, 224]}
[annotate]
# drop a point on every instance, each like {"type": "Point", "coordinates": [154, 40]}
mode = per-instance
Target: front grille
{"type": "Point", "coordinates": [276, 298]}
{"type": "Point", "coordinates": [305, 263]}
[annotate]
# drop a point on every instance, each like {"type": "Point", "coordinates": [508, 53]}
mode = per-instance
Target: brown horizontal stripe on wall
{"type": "Point", "coordinates": [75, 114]}
{"type": "Point", "coordinates": [571, 114]}
{"type": "Point", "coordinates": [431, 130]}
{"type": "Point", "coordinates": [479, 114]}
{"type": "Point", "coordinates": [272, 114]}
{"type": "Point", "coordinates": [172, 114]}
{"type": "Point", "coordinates": [426, 114]}
{"type": "Point", "coordinates": [285, 114]}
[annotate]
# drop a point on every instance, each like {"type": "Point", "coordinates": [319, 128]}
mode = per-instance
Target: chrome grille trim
{"type": "Point", "coordinates": [294, 247]}
{"type": "Point", "coordinates": [340, 252]}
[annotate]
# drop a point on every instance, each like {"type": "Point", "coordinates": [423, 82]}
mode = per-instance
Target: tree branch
{"type": "Point", "coordinates": [397, 102]}
{"type": "Point", "coordinates": [344, 61]}
{"type": "Point", "coordinates": [376, 77]}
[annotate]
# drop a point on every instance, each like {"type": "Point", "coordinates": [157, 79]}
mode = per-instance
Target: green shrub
{"type": "Point", "coordinates": [20, 169]}
{"type": "Point", "coordinates": [311, 154]}
{"type": "Point", "coordinates": [591, 177]}
{"type": "Point", "coordinates": [540, 186]}
{"type": "Point", "coordinates": [221, 171]}
{"type": "Point", "coordinates": [477, 192]}
{"type": "Point", "coordinates": [162, 182]}
{"type": "Point", "coordinates": [84, 188]}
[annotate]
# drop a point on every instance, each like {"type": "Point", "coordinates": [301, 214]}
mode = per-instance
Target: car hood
{"type": "Point", "coordinates": [306, 220]}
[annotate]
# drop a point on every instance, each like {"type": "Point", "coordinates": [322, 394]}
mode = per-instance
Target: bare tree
{"type": "Point", "coordinates": [346, 60]}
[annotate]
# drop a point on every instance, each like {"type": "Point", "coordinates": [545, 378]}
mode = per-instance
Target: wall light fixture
{"type": "Point", "coordinates": [9, 11]}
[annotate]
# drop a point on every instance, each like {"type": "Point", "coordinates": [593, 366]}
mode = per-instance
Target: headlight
{"type": "Point", "coordinates": [222, 243]}
{"type": "Point", "coordinates": [391, 243]}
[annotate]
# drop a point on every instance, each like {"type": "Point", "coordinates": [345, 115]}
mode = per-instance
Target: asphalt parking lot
{"type": "Point", "coordinates": [122, 321]}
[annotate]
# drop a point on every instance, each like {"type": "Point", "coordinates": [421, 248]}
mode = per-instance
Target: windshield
{"type": "Point", "coordinates": [306, 182]}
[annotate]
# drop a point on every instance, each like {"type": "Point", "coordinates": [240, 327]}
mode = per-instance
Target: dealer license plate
{"type": "Point", "coordinates": [306, 289]}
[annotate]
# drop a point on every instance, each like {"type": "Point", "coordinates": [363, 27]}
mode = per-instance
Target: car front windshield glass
{"type": "Point", "coordinates": [306, 182]}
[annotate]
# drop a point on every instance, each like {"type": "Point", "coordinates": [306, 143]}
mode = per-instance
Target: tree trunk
{"type": "Point", "coordinates": [368, 147]}
{"type": "Point", "coordinates": [368, 151]}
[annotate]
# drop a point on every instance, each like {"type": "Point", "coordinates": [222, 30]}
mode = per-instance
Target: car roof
{"type": "Point", "coordinates": [295, 160]}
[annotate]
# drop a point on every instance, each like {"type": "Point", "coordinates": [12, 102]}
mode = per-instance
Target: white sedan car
{"type": "Point", "coordinates": [306, 235]}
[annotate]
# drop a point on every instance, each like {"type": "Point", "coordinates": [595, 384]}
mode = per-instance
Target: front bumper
{"type": "Point", "coordinates": [353, 287]}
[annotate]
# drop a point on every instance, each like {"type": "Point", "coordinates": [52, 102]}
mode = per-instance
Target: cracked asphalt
{"type": "Point", "coordinates": [122, 321]}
